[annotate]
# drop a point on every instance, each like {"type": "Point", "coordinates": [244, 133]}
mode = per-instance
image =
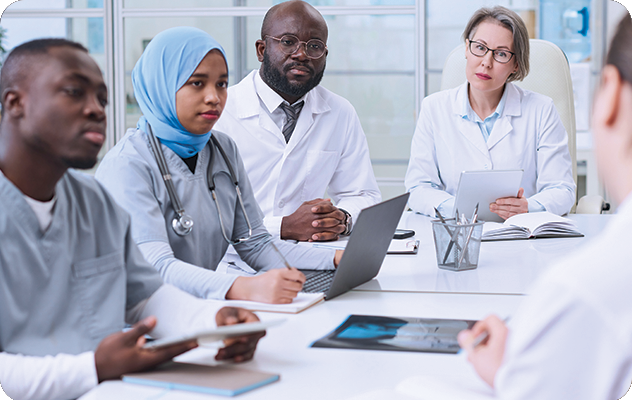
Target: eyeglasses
{"type": "Point", "coordinates": [289, 44]}
{"type": "Point", "coordinates": [479, 50]}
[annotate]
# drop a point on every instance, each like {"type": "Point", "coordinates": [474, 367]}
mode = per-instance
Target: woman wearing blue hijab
{"type": "Point", "coordinates": [181, 83]}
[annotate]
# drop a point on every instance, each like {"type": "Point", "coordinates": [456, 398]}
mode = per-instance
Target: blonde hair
{"type": "Point", "coordinates": [512, 21]}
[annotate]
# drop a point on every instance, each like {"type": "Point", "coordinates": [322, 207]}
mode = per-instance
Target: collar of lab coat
{"type": "Point", "coordinates": [502, 127]}
{"type": "Point", "coordinates": [314, 103]}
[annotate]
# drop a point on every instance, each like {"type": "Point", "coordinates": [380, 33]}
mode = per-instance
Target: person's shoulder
{"type": "Point", "coordinates": [531, 98]}
{"type": "Point", "coordinates": [334, 100]}
{"type": "Point", "coordinates": [85, 187]}
{"type": "Point", "coordinates": [133, 148]}
{"type": "Point", "coordinates": [227, 143]}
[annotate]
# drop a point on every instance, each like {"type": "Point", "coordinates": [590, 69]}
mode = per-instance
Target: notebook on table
{"type": "Point", "coordinates": [365, 250]}
{"type": "Point", "coordinates": [218, 380]}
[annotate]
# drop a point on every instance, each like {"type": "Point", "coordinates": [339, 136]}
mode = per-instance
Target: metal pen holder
{"type": "Point", "coordinates": [457, 245]}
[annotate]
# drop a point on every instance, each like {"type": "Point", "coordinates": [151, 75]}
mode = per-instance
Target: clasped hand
{"type": "Point", "coordinates": [314, 220]}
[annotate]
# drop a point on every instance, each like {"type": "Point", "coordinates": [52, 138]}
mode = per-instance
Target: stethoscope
{"type": "Point", "coordinates": [182, 223]}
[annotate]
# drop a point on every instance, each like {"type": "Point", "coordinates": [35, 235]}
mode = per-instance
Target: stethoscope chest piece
{"type": "Point", "coordinates": [182, 224]}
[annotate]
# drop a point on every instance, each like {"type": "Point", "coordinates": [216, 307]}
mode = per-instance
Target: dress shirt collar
{"type": "Point", "coordinates": [468, 113]}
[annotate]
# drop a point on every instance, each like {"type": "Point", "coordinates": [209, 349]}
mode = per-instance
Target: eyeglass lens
{"type": "Point", "coordinates": [314, 48]}
{"type": "Point", "coordinates": [479, 50]}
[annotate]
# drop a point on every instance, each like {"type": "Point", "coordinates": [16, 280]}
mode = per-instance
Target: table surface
{"type": "Point", "coordinates": [504, 267]}
{"type": "Point", "coordinates": [407, 286]}
{"type": "Point", "coordinates": [316, 373]}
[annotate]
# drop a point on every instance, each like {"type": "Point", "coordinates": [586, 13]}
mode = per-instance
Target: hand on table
{"type": "Point", "coordinates": [488, 356]}
{"type": "Point", "coordinates": [277, 286]}
{"type": "Point", "coordinates": [240, 348]}
{"type": "Point", "coordinates": [315, 220]}
{"type": "Point", "coordinates": [507, 207]}
{"type": "Point", "coordinates": [123, 352]}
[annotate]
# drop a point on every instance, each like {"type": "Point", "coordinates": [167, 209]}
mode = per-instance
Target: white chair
{"type": "Point", "coordinates": [549, 75]}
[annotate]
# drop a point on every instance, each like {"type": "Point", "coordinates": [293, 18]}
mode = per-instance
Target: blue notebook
{"type": "Point", "coordinates": [219, 380]}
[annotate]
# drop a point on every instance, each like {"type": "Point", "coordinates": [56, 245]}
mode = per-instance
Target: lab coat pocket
{"type": "Point", "coordinates": [321, 165]}
{"type": "Point", "coordinates": [100, 285]}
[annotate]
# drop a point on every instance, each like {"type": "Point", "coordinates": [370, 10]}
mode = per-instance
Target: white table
{"type": "Point", "coordinates": [505, 267]}
{"type": "Point", "coordinates": [315, 373]}
{"type": "Point", "coordinates": [407, 286]}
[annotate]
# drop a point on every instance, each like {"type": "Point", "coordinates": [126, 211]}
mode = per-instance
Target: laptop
{"type": "Point", "coordinates": [372, 234]}
{"type": "Point", "coordinates": [483, 188]}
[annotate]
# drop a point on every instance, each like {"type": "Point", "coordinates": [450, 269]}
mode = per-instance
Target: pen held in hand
{"type": "Point", "coordinates": [281, 255]}
{"type": "Point", "coordinates": [483, 336]}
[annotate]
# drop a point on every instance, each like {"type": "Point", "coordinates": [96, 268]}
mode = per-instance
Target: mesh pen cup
{"type": "Point", "coordinates": [457, 246]}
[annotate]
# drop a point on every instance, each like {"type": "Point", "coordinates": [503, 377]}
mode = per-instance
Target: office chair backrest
{"type": "Point", "coordinates": [549, 75]}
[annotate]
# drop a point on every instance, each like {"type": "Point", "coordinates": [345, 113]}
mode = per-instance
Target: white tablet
{"type": "Point", "coordinates": [483, 188]}
{"type": "Point", "coordinates": [216, 334]}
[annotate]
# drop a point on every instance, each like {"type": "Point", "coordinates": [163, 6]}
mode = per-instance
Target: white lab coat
{"type": "Point", "coordinates": [572, 337]}
{"type": "Point", "coordinates": [327, 152]}
{"type": "Point", "coordinates": [528, 135]}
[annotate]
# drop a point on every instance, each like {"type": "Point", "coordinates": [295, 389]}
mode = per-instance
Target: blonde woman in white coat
{"type": "Point", "coordinates": [490, 123]}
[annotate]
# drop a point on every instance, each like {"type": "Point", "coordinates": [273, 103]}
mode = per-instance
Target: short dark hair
{"type": "Point", "coordinates": [620, 53]}
{"type": "Point", "coordinates": [14, 68]}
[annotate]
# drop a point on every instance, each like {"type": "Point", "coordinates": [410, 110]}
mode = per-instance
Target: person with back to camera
{"type": "Point", "coordinates": [490, 123]}
{"type": "Point", "coordinates": [180, 82]}
{"type": "Point", "coordinates": [572, 336]}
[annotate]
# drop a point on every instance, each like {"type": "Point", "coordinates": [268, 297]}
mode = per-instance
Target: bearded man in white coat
{"type": "Point", "coordinates": [297, 139]}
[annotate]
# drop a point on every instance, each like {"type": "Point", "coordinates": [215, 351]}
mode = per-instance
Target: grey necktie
{"type": "Point", "coordinates": [291, 112]}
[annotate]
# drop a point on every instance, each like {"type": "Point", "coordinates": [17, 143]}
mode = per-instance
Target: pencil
{"type": "Point", "coordinates": [280, 255]}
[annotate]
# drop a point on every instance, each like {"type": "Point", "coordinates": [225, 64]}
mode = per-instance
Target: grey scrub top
{"type": "Point", "coordinates": [130, 172]}
{"type": "Point", "coordinates": [65, 289]}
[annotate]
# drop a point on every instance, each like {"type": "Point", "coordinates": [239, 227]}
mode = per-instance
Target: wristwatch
{"type": "Point", "coordinates": [348, 222]}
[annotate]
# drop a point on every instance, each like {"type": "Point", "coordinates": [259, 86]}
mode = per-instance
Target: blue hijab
{"type": "Point", "coordinates": [164, 67]}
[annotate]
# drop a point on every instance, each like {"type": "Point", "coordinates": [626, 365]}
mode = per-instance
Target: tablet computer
{"type": "Point", "coordinates": [483, 188]}
{"type": "Point", "coordinates": [215, 334]}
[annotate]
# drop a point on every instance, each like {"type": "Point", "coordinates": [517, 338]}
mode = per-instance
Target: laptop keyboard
{"type": "Point", "coordinates": [318, 281]}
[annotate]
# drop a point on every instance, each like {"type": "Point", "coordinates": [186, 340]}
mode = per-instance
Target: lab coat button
{"type": "Point", "coordinates": [281, 204]}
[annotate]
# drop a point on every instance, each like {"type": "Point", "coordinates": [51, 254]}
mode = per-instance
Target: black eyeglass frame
{"type": "Point", "coordinates": [287, 50]}
{"type": "Point", "coordinates": [469, 46]}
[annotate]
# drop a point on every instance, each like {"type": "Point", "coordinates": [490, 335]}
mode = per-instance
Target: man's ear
{"type": "Point", "coordinates": [260, 46]}
{"type": "Point", "coordinates": [13, 102]}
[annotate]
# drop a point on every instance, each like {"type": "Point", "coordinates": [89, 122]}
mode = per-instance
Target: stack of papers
{"type": "Point", "coordinates": [531, 225]}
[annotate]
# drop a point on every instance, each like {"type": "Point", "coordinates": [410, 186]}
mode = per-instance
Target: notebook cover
{"type": "Point", "coordinates": [219, 380]}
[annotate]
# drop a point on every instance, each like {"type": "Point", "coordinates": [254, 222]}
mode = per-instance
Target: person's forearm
{"type": "Point", "coordinates": [63, 376]}
{"type": "Point", "coordinates": [258, 254]}
{"type": "Point", "coordinates": [195, 280]}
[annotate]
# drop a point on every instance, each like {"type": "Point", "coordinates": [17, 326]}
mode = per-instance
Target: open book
{"type": "Point", "coordinates": [531, 226]}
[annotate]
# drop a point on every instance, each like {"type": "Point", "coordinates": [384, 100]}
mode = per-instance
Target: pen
{"type": "Point", "coordinates": [452, 235]}
{"type": "Point", "coordinates": [483, 336]}
{"type": "Point", "coordinates": [469, 234]}
{"type": "Point", "coordinates": [280, 255]}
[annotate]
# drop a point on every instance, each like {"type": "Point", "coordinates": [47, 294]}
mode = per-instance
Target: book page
{"type": "Point", "coordinates": [532, 221]}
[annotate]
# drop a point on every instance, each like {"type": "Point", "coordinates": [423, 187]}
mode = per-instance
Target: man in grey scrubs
{"type": "Point", "coordinates": [70, 274]}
